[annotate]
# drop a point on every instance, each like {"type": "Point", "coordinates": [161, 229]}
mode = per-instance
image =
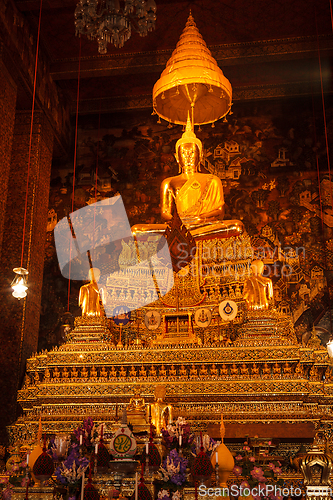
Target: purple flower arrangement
{"type": "Point", "coordinates": [173, 468]}
{"type": "Point", "coordinates": [69, 473]}
{"type": "Point", "coordinates": [178, 434]}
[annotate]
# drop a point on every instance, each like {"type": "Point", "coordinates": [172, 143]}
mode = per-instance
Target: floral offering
{"type": "Point", "coordinates": [173, 469]}
{"type": "Point", "coordinates": [69, 473]}
{"type": "Point", "coordinates": [178, 434]}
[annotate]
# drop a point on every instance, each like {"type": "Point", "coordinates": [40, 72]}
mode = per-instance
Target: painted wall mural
{"type": "Point", "coordinates": [272, 159]}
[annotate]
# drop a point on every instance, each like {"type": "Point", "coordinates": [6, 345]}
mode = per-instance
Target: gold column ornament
{"type": "Point", "coordinates": [192, 81]}
{"type": "Point", "coordinates": [316, 467]}
{"type": "Point", "coordinates": [225, 459]}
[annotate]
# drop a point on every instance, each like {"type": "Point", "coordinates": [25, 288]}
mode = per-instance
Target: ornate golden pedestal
{"type": "Point", "coordinates": [35, 493]}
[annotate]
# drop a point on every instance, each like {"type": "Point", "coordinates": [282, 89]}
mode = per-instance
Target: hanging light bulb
{"type": "Point", "coordinates": [19, 283]}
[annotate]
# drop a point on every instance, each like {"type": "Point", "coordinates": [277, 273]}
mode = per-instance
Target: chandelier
{"type": "Point", "coordinates": [111, 21]}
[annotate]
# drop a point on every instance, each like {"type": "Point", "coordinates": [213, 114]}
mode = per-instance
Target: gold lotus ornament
{"type": "Point", "coordinates": [225, 460]}
{"type": "Point", "coordinates": [192, 80]}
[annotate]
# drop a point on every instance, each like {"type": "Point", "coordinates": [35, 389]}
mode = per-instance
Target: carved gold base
{"type": "Point", "coordinates": [34, 493]}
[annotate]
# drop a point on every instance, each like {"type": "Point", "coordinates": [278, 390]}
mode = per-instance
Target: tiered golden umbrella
{"type": "Point", "coordinates": [192, 81]}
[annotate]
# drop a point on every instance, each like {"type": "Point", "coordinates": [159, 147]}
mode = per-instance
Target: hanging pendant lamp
{"type": "Point", "coordinates": [192, 81]}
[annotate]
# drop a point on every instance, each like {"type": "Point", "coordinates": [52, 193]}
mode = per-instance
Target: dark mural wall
{"type": "Point", "coordinates": [272, 159]}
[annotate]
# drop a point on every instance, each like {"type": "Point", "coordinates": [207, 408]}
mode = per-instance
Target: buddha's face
{"type": "Point", "coordinates": [188, 156]}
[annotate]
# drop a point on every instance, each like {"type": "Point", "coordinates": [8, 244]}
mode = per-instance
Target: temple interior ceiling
{"type": "Point", "coordinates": [265, 48]}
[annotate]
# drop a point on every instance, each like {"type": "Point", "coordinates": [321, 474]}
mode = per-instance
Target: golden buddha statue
{"type": "Point", "coordinates": [161, 412]}
{"type": "Point", "coordinates": [183, 371]}
{"type": "Point", "coordinates": [193, 371]}
{"type": "Point", "coordinates": [89, 298]}
{"type": "Point", "coordinates": [142, 372]}
{"type": "Point", "coordinates": [36, 377]}
{"type": "Point", "coordinates": [234, 369]}
{"type": "Point", "coordinates": [74, 373]}
{"type": "Point", "coordinates": [132, 372]}
{"type": "Point", "coordinates": [65, 373]}
{"type": "Point", "coordinates": [113, 372]}
{"type": "Point", "coordinates": [137, 402]}
{"type": "Point", "coordinates": [56, 372]}
{"type": "Point", "coordinates": [224, 370]}
{"type": "Point", "coordinates": [313, 373]}
{"type": "Point", "coordinates": [266, 371]}
{"type": "Point", "coordinates": [198, 197]}
{"type": "Point", "coordinates": [136, 409]}
{"type": "Point", "coordinates": [103, 373]}
{"type": "Point", "coordinates": [84, 373]}
{"type": "Point", "coordinates": [255, 370]}
{"type": "Point", "coordinates": [258, 290]}
{"type": "Point", "coordinates": [244, 369]}
{"type": "Point", "coordinates": [203, 372]}
{"type": "Point", "coordinates": [172, 371]}
{"type": "Point", "coordinates": [122, 372]}
{"type": "Point", "coordinates": [46, 375]}
{"type": "Point", "coordinates": [93, 372]}
{"type": "Point", "coordinates": [214, 371]}
{"type": "Point", "coordinates": [152, 371]}
{"type": "Point", "coordinates": [162, 372]}
{"type": "Point", "coordinates": [276, 369]}
{"type": "Point", "coordinates": [287, 370]}
{"type": "Point", "coordinates": [299, 372]}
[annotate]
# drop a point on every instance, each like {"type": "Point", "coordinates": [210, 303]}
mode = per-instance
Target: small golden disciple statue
{"type": "Point", "coordinates": [46, 375]}
{"type": "Point", "coordinates": [197, 196]}
{"type": "Point", "coordinates": [234, 369]}
{"type": "Point", "coordinates": [224, 370]}
{"type": "Point", "coordinates": [214, 371]}
{"type": "Point", "coordinates": [56, 372]}
{"type": "Point", "coordinates": [122, 372]}
{"type": "Point", "coordinates": [36, 378]}
{"type": "Point", "coordinates": [84, 373]}
{"type": "Point", "coordinates": [132, 372]}
{"type": "Point", "coordinates": [276, 369]}
{"type": "Point", "coordinates": [299, 370]}
{"type": "Point", "coordinates": [172, 371]}
{"type": "Point", "coordinates": [137, 402]}
{"type": "Point", "coordinates": [74, 373]}
{"type": "Point", "coordinates": [142, 372]}
{"type": "Point", "coordinates": [93, 372]}
{"type": "Point", "coordinates": [162, 372]}
{"type": "Point", "coordinates": [161, 412]}
{"type": "Point", "coordinates": [103, 373]}
{"type": "Point", "coordinates": [203, 371]}
{"type": "Point", "coordinates": [89, 298]}
{"type": "Point", "coordinates": [183, 371]}
{"type": "Point", "coordinates": [65, 373]}
{"type": "Point", "coordinates": [266, 371]}
{"type": "Point", "coordinates": [152, 371]}
{"type": "Point", "coordinates": [255, 369]}
{"type": "Point", "coordinates": [258, 290]}
{"type": "Point", "coordinates": [136, 408]}
{"type": "Point", "coordinates": [193, 371]}
{"type": "Point", "coordinates": [287, 370]}
{"type": "Point", "coordinates": [244, 369]}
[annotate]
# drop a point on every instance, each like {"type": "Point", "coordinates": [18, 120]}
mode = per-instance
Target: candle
{"type": "Point", "coordinates": [28, 455]}
{"type": "Point", "coordinates": [147, 449]}
{"type": "Point", "coordinates": [81, 439]}
{"type": "Point", "coordinates": [96, 448]}
{"type": "Point", "coordinates": [82, 487]}
{"type": "Point", "coordinates": [216, 457]}
{"type": "Point", "coordinates": [136, 486]}
{"type": "Point", "coordinates": [180, 439]}
{"type": "Point", "coordinates": [149, 414]}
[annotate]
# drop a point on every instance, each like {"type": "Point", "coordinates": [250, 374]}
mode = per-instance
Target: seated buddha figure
{"type": "Point", "coordinates": [136, 409]}
{"type": "Point", "coordinates": [198, 197]}
{"type": "Point", "coordinates": [258, 290]}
